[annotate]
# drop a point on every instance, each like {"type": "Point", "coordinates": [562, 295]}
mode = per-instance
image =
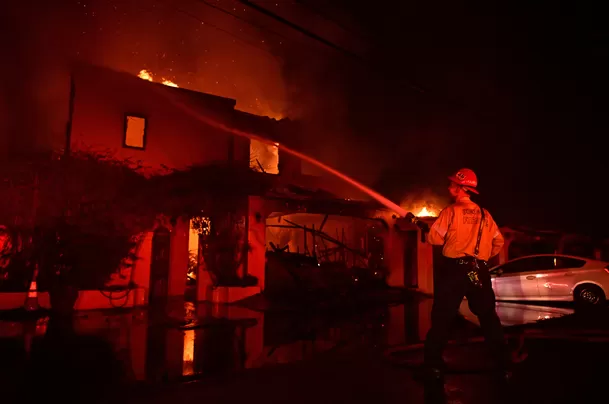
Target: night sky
{"type": "Point", "coordinates": [417, 89]}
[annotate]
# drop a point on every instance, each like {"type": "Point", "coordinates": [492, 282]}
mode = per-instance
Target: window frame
{"type": "Point", "coordinates": [572, 260]}
{"type": "Point", "coordinates": [259, 167]}
{"type": "Point", "coordinates": [522, 261]}
{"type": "Point", "coordinates": [125, 127]}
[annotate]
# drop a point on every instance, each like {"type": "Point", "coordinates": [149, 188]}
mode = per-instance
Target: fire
{"type": "Point", "coordinates": [170, 83]}
{"type": "Point", "coordinates": [424, 203]}
{"type": "Point", "coordinates": [146, 75]}
{"type": "Point", "coordinates": [264, 157]}
{"type": "Point", "coordinates": [260, 108]}
{"type": "Point", "coordinates": [424, 212]}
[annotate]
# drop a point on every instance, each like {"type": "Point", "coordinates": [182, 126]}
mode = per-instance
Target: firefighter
{"type": "Point", "coordinates": [469, 237]}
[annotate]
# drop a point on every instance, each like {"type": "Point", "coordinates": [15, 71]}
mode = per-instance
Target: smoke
{"type": "Point", "coordinates": [34, 86]}
{"type": "Point", "coordinates": [193, 45]}
{"type": "Point", "coordinates": [424, 198]}
{"type": "Point", "coordinates": [270, 69]}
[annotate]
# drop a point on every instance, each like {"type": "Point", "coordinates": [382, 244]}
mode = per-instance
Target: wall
{"type": "Point", "coordinates": [141, 269]}
{"type": "Point", "coordinates": [256, 258]}
{"type": "Point", "coordinates": [178, 258]}
{"type": "Point", "coordinates": [173, 138]}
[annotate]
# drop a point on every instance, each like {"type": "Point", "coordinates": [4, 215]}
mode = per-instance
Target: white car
{"type": "Point", "coordinates": [551, 277]}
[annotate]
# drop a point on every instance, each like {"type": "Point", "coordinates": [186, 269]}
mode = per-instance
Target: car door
{"type": "Point", "coordinates": [557, 282]}
{"type": "Point", "coordinates": [516, 280]}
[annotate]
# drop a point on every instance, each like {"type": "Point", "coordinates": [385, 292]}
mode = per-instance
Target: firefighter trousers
{"type": "Point", "coordinates": [451, 284]}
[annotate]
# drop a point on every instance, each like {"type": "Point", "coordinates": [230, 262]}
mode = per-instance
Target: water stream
{"type": "Point", "coordinates": [211, 122]}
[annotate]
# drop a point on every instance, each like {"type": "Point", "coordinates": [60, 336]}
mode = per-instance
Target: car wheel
{"type": "Point", "coordinates": [589, 295]}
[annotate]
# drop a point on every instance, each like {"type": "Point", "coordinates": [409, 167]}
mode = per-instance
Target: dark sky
{"type": "Point", "coordinates": [517, 92]}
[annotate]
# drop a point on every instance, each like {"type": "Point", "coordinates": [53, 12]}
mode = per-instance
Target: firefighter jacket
{"type": "Point", "coordinates": [457, 230]}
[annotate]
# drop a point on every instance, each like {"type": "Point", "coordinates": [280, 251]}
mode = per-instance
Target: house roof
{"type": "Point", "coordinates": [219, 108]}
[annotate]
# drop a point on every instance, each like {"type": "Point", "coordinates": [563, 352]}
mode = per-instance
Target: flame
{"type": "Point", "coordinates": [424, 203]}
{"type": "Point", "coordinates": [264, 157]}
{"type": "Point", "coordinates": [188, 353]}
{"type": "Point", "coordinates": [170, 83]}
{"type": "Point", "coordinates": [424, 212]}
{"type": "Point", "coordinates": [261, 107]}
{"type": "Point", "coordinates": [146, 75]}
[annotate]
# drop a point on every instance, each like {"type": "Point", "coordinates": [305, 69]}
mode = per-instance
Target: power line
{"type": "Point", "coordinates": [414, 87]}
{"type": "Point", "coordinates": [203, 22]}
{"type": "Point", "coordinates": [316, 10]}
{"type": "Point", "coordinates": [312, 35]}
{"type": "Point", "coordinates": [315, 36]}
{"type": "Point", "coordinates": [299, 28]}
{"type": "Point", "coordinates": [258, 26]}
{"type": "Point", "coordinates": [209, 24]}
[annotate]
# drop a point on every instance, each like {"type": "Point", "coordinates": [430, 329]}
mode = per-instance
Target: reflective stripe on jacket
{"type": "Point", "coordinates": [457, 230]}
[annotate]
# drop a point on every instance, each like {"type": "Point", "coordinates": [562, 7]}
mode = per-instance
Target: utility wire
{"type": "Point", "coordinates": [312, 35]}
{"type": "Point", "coordinates": [298, 28]}
{"type": "Point", "coordinates": [203, 22]}
{"type": "Point", "coordinates": [416, 88]}
{"type": "Point", "coordinates": [258, 26]}
{"type": "Point", "coordinates": [318, 38]}
{"type": "Point", "coordinates": [316, 10]}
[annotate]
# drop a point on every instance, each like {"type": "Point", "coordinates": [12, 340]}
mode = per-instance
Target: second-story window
{"type": "Point", "coordinates": [264, 157]}
{"type": "Point", "coordinates": [135, 132]}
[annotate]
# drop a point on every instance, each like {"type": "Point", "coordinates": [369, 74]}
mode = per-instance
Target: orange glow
{"type": "Point", "coordinates": [424, 212]}
{"type": "Point", "coordinates": [261, 108]}
{"type": "Point", "coordinates": [146, 75]}
{"type": "Point", "coordinates": [264, 157]}
{"type": "Point", "coordinates": [188, 353]}
{"type": "Point", "coordinates": [424, 203]}
{"type": "Point", "coordinates": [266, 110]}
{"type": "Point", "coordinates": [170, 83]}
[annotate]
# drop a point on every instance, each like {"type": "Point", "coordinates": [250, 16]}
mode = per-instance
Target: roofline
{"type": "Point", "coordinates": [229, 102]}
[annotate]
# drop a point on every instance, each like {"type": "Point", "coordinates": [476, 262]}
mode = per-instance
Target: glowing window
{"type": "Point", "coordinates": [264, 157]}
{"type": "Point", "coordinates": [135, 132]}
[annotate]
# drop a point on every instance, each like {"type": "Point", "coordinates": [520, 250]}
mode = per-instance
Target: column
{"type": "Point", "coordinates": [141, 270]}
{"type": "Point", "coordinates": [256, 257]}
{"type": "Point", "coordinates": [425, 266]}
{"type": "Point", "coordinates": [178, 266]}
{"type": "Point", "coordinates": [394, 256]}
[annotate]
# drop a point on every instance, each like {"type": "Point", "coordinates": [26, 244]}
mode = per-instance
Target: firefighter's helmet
{"type": "Point", "coordinates": [466, 178]}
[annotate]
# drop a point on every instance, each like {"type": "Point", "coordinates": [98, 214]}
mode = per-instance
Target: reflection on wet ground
{"type": "Point", "coordinates": [518, 313]}
{"type": "Point", "coordinates": [203, 341]}
{"type": "Point", "coordinates": [199, 342]}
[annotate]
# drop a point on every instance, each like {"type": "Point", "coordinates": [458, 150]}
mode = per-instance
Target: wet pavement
{"type": "Point", "coordinates": [204, 353]}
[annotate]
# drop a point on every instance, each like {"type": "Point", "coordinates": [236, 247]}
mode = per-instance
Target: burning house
{"type": "Point", "coordinates": [161, 131]}
{"type": "Point", "coordinates": [152, 125]}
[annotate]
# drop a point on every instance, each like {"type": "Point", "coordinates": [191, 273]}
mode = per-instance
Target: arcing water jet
{"type": "Point", "coordinates": [378, 197]}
